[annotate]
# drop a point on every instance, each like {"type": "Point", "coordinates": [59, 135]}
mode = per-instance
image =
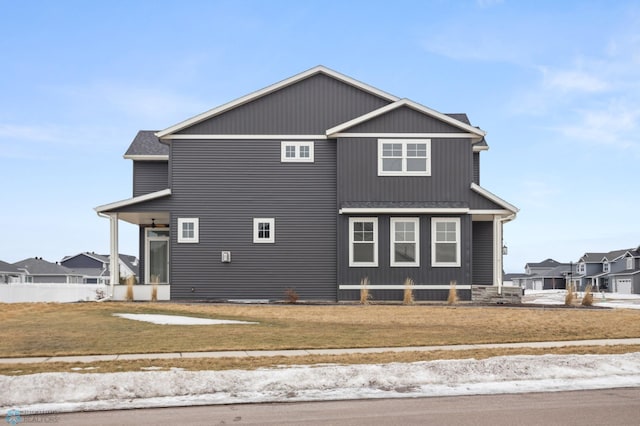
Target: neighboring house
{"type": "Point", "coordinates": [38, 270]}
{"type": "Point", "coordinates": [546, 275]}
{"type": "Point", "coordinates": [10, 273]}
{"type": "Point", "coordinates": [624, 276]}
{"type": "Point", "coordinates": [95, 267]}
{"type": "Point", "coordinates": [313, 184]}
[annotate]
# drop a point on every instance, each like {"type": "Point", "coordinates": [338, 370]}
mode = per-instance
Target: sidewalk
{"type": "Point", "coordinates": [304, 352]}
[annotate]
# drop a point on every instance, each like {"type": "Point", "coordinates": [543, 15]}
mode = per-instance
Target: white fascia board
{"type": "Point", "coordinates": [248, 137]}
{"type": "Point", "coordinates": [413, 105]}
{"type": "Point", "coordinates": [269, 89]}
{"type": "Point", "coordinates": [146, 157]}
{"type": "Point", "coordinates": [491, 212]}
{"type": "Point", "coordinates": [403, 135]}
{"type": "Point", "coordinates": [134, 200]}
{"type": "Point", "coordinates": [490, 196]}
{"type": "Point", "coordinates": [402, 210]}
{"type": "Point", "coordinates": [400, 287]}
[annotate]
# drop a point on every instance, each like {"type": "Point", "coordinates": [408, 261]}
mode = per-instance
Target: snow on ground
{"type": "Point", "coordinates": [178, 320]}
{"type": "Point", "coordinates": [63, 392]}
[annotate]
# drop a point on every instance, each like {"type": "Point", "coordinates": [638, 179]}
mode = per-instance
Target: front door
{"type": "Point", "coordinates": [157, 256]}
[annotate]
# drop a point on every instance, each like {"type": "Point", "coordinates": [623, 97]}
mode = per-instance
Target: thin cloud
{"type": "Point", "coordinates": [572, 80]}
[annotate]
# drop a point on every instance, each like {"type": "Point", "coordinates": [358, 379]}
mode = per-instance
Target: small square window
{"type": "Point", "coordinates": [264, 230]}
{"type": "Point", "coordinates": [188, 230]}
{"type": "Point", "coordinates": [296, 152]}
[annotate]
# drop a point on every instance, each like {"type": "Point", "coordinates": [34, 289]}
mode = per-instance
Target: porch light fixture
{"type": "Point", "coordinates": [505, 250]}
{"type": "Point", "coordinates": [153, 223]}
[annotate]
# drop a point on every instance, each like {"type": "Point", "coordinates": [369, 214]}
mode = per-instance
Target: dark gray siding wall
{"type": "Point", "coordinates": [150, 176]}
{"type": "Point", "coordinates": [384, 274]}
{"type": "Point", "coordinates": [310, 106]}
{"type": "Point", "coordinates": [405, 120]}
{"type": "Point", "coordinates": [482, 253]}
{"type": "Point", "coordinates": [476, 168]}
{"type": "Point", "coordinates": [450, 180]}
{"type": "Point", "coordinates": [228, 183]}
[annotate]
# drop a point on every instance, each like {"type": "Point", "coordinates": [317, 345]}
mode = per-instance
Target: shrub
{"type": "Point", "coordinates": [568, 298]}
{"type": "Point", "coordinates": [365, 296]}
{"type": "Point", "coordinates": [453, 293]}
{"type": "Point", "coordinates": [408, 292]}
{"type": "Point", "coordinates": [587, 299]}
{"type": "Point", "coordinates": [291, 296]}
{"type": "Point", "coordinates": [129, 295]}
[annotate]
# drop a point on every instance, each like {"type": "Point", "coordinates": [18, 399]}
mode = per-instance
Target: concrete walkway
{"type": "Point", "coordinates": [304, 352]}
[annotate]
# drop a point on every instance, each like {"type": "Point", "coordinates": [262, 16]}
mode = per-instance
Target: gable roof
{"type": "Point", "coordinates": [39, 266]}
{"type": "Point", "coordinates": [547, 263]}
{"type": "Point", "coordinates": [492, 197]}
{"type": "Point", "coordinates": [270, 89]}
{"type": "Point", "coordinates": [7, 267]}
{"type": "Point", "coordinates": [449, 119]}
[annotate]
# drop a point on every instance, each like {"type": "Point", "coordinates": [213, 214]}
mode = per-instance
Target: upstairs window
{"type": "Point", "coordinates": [581, 268]}
{"type": "Point", "coordinates": [363, 241]}
{"type": "Point", "coordinates": [296, 152]}
{"type": "Point", "coordinates": [630, 263]}
{"type": "Point", "coordinates": [605, 267]}
{"type": "Point", "coordinates": [264, 230]}
{"type": "Point", "coordinates": [445, 237]}
{"type": "Point", "coordinates": [404, 157]}
{"type": "Point", "coordinates": [188, 230]}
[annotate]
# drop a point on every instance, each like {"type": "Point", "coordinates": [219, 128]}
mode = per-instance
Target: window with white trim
{"type": "Point", "coordinates": [188, 229]}
{"type": "Point", "coordinates": [605, 267]}
{"type": "Point", "coordinates": [630, 263]}
{"type": "Point", "coordinates": [405, 241]}
{"type": "Point", "coordinates": [404, 157]}
{"type": "Point", "coordinates": [363, 241]}
{"type": "Point", "coordinates": [582, 268]}
{"type": "Point", "coordinates": [296, 152]}
{"type": "Point", "coordinates": [445, 241]}
{"type": "Point", "coordinates": [264, 230]}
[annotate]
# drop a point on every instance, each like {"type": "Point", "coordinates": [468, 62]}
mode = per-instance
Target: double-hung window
{"type": "Point", "coordinates": [405, 244]}
{"type": "Point", "coordinates": [188, 229]}
{"type": "Point", "coordinates": [296, 152]}
{"type": "Point", "coordinates": [404, 157]}
{"type": "Point", "coordinates": [445, 238]}
{"type": "Point", "coordinates": [363, 241]}
{"type": "Point", "coordinates": [264, 230]}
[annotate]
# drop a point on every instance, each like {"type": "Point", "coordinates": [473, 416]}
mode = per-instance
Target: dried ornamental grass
{"type": "Point", "coordinates": [408, 298]}
{"type": "Point", "coordinates": [587, 299]}
{"type": "Point", "coordinates": [453, 293]}
{"type": "Point", "coordinates": [365, 296]}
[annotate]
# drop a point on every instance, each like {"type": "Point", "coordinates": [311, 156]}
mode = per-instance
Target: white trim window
{"type": "Point", "coordinates": [606, 267]}
{"type": "Point", "coordinates": [445, 238]}
{"type": "Point", "coordinates": [296, 152]}
{"type": "Point", "coordinates": [264, 230]}
{"type": "Point", "coordinates": [405, 241]}
{"type": "Point", "coordinates": [188, 230]}
{"type": "Point", "coordinates": [630, 263]}
{"type": "Point", "coordinates": [582, 268]}
{"type": "Point", "coordinates": [404, 157]}
{"type": "Point", "coordinates": [363, 241]}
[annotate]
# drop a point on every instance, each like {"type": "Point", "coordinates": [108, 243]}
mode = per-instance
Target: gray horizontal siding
{"type": "Point", "coordinates": [150, 176]}
{"type": "Point", "coordinates": [450, 180]}
{"type": "Point", "coordinates": [384, 274]}
{"type": "Point", "coordinates": [398, 295]}
{"type": "Point", "coordinates": [228, 183]}
{"type": "Point", "coordinates": [310, 106]}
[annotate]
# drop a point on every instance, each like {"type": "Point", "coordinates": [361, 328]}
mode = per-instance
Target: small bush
{"type": "Point", "coordinates": [365, 296]}
{"type": "Point", "coordinates": [408, 292]}
{"type": "Point", "coordinates": [291, 296]}
{"type": "Point", "coordinates": [587, 299]}
{"type": "Point", "coordinates": [154, 288]}
{"type": "Point", "coordinates": [568, 298]}
{"type": "Point", "coordinates": [129, 295]}
{"type": "Point", "coordinates": [453, 293]}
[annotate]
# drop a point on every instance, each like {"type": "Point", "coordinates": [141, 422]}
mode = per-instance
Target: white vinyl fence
{"type": "Point", "coordinates": [65, 293]}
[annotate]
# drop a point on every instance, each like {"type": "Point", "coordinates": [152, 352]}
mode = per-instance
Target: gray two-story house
{"type": "Point", "coordinates": [312, 184]}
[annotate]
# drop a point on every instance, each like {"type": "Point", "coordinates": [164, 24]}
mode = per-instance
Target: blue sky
{"type": "Point", "coordinates": [555, 84]}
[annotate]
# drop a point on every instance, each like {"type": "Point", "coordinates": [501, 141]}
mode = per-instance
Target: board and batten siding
{"type": "Point", "coordinates": [309, 107]}
{"type": "Point", "coordinates": [482, 253]}
{"type": "Point", "coordinates": [227, 183]}
{"type": "Point", "coordinates": [385, 274]}
{"type": "Point", "coordinates": [150, 176]}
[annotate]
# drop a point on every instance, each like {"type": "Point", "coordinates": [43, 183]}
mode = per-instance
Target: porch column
{"type": "Point", "coordinates": [114, 258]}
{"type": "Point", "coordinates": [497, 253]}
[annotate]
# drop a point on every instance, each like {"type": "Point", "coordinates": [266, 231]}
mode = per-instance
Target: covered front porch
{"type": "Point", "coordinates": [154, 245]}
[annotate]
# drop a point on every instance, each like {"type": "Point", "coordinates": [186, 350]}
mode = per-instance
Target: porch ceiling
{"type": "Point", "coordinates": [145, 218]}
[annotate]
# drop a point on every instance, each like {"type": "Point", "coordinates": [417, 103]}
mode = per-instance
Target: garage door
{"type": "Point", "coordinates": [623, 285]}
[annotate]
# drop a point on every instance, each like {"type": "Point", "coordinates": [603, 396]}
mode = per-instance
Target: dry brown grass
{"type": "Point", "coordinates": [42, 329]}
{"type": "Point", "coordinates": [250, 363]}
